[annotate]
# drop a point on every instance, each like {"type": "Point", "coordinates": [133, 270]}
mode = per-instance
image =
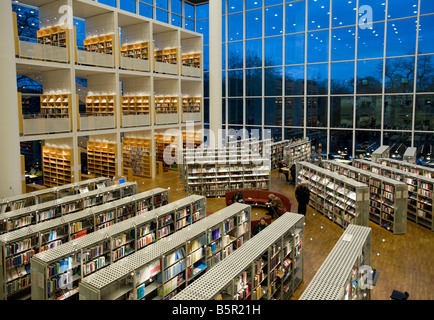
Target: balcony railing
{"type": "Point", "coordinates": [29, 48]}
{"type": "Point", "coordinates": [46, 123]}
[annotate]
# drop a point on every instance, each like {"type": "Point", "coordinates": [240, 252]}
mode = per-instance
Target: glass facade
{"type": "Point", "coordinates": [351, 75]}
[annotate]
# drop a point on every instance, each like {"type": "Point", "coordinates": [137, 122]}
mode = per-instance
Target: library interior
{"type": "Point", "coordinates": [217, 150]}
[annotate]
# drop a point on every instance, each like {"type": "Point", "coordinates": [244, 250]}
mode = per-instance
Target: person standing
{"type": "Point", "coordinates": [302, 194]}
{"type": "Point", "coordinates": [260, 226]}
{"type": "Point", "coordinates": [292, 170]}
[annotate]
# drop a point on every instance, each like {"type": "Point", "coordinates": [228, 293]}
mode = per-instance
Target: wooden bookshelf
{"type": "Point", "coordinates": [166, 56]}
{"type": "Point", "coordinates": [56, 36]}
{"type": "Point", "coordinates": [166, 105]}
{"type": "Point", "coordinates": [191, 104]}
{"type": "Point", "coordinates": [136, 105]}
{"type": "Point", "coordinates": [56, 106]}
{"type": "Point", "coordinates": [101, 105]}
{"type": "Point", "coordinates": [192, 60]}
{"type": "Point", "coordinates": [161, 142]}
{"type": "Point", "coordinates": [102, 44]}
{"type": "Point", "coordinates": [57, 164]}
{"type": "Point", "coordinates": [191, 140]}
{"type": "Point", "coordinates": [101, 158]}
{"type": "Point", "coordinates": [136, 155]}
{"type": "Point", "coordinates": [136, 51]}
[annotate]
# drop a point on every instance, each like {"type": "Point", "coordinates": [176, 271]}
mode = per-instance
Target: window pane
{"type": "Point", "coordinates": [254, 53]}
{"type": "Point", "coordinates": [273, 111]}
{"type": "Point", "coordinates": [317, 46]}
{"type": "Point", "coordinates": [176, 7]}
{"type": "Point", "coordinates": [425, 74]}
{"type": "Point", "coordinates": [318, 14]}
{"type": "Point", "coordinates": [341, 112]}
{"type": "Point", "coordinates": [317, 79]}
{"type": "Point", "coordinates": [424, 116]}
{"type": "Point", "coordinates": [273, 81]}
{"type": "Point", "coordinates": [223, 28]}
{"type": "Point", "coordinates": [111, 3]}
{"type": "Point", "coordinates": [399, 75]}
{"type": "Point", "coordinates": [235, 27]}
{"type": "Point", "coordinates": [206, 84]}
{"type": "Point", "coordinates": [317, 136]}
{"type": "Point", "coordinates": [189, 11]}
{"type": "Point", "coordinates": [294, 49]}
{"type": "Point", "coordinates": [294, 112]}
{"type": "Point", "coordinates": [128, 5]}
{"type": "Point", "coordinates": [202, 26]}
{"type": "Point", "coordinates": [343, 44]}
{"type": "Point", "coordinates": [402, 8]}
{"type": "Point", "coordinates": [206, 110]}
{"type": "Point", "coordinates": [224, 111]}
{"type": "Point", "coordinates": [253, 4]}
{"type": "Point", "coordinates": [254, 82]}
{"type": "Point", "coordinates": [235, 55]}
{"type": "Point", "coordinates": [163, 4]}
{"type": "Point", "coordinates": [426, 6]}
{"type": "Point", "coordinates": [223, 56]}
{"type": "Point", "coordinates": [369, 76]}
{"type": "Point", "coordinates": [295, 17]}
{"type": "Point", "coordinates": [275, 133]}
{"type": "Point", "coordinates": [254, 111]}
{"type": "Point", "coordinates": [368, 112]}
{"type": "Point", "coordinates": [426, 36]}
{"type": "Point", "coordinates": [235, 83]}
{"type": "Point", "coordinates": [254, 132]}
{"type": "Point", "coordinates": [424, 142]}
{"type": "Point", "coordinates": [206, 58]}
{"type": "Point", "coordinates": [272, 2]}
{"type": "Point", "coordinates": [341, 141]}
{"type": "Point", "coordinates": [235, 111]}
{"type": "Point", "coordinates": [235, 5]}
{"type": "Point", "coordinates": [344, 13]}
{"type": "Point", "coordinates": [342, 78]}
{"type": "Point", "coordinates": [371, 42]}
{"type": "Point", "coordinates": [254, 24]}
{"type": "Point", "coordinates": [177, 21]}
{"type": "Point", "coordinates": [367, 141]}
{"type": "Point", "coordinates": [273, 21]}
{"type": "Point", "coordinates": [224, 84]}
{"type": "Point", "coordinates": [317, 112]}
{"type": "Point", "coordinates": [162, 15]}
{"type": "Point", "coordinates": [378, 9]}
{"type": "Point", "coordinates": [189, 24]}
{"type": "Point", "coordinates": [401, 37]}
{"type": "Point", "coordinates": [294, 80]}
{"type": "Point", "coordinates": [398, 141]}
{"type": "Point", "coordinates": [145, 10]}
{"type": "Point", "coordinates": [293, 134]}
{"type": "Point", "coordinates": [273, 51]}
{"type": "Point", "coordinates": [398, 111]}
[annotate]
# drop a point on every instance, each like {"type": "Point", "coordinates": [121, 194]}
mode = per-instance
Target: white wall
{"type": "Point", "coordinates": [101, 84]}
{"type": "Point", "coordinates": [191, 88]}
{"type": "Point", "coordinates": [100, 25]}
{"type": "Point", "coordinates": [136, 33]}
{"type": "Point", "coordinates": [56, 82]}
{"type": "Point", "coordinates": [49, 15]}
{"type": "Point", "coordinates": [166, 40]}
{"type": "Point", "coordinates": [166, 87]}
{"type": "Point", "coordinates": [140, 86]}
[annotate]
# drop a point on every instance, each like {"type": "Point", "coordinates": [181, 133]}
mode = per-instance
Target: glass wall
{"type": "Point", "coordinates": [352, 78]}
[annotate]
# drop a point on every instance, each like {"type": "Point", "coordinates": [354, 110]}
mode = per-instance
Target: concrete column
{"type": "Point", "coordinates": [10, 164]}
{"type": "Point", "coordinates": [215, 67]}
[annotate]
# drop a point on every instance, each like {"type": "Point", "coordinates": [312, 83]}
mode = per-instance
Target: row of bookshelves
{"type": "Point", "coordinates": [297, 151]}
{"type": "Point", "coordinates": [14, 220]}
{"type": "Point", "coordinates": [276, 152]}
{"type": "Point", "coordinates": [342, 200]}
{"type": "Point", "coordinates": [267, 267]}
{"type": "Point", "coordinates": [387, 200]}
{"type": "Point", "coordinates": [172, 263]}
{"type": "Point", "coordinates": [420, 190]}
{"type": "Point", "coordinates": [18, 245]}
{"type": "Point", "coordinates": [408, 167]}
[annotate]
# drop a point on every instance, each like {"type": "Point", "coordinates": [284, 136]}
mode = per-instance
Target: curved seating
{"type": "Point", "coordinates": [258, 197]}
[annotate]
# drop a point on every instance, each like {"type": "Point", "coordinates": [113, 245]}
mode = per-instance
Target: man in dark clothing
{"type": "Point", "coordinates": [302, 194]}
{"type": "Point", "coordinates": [282, 164]}
{"type": "Point", "coordinates": [260, 226]}
{"type": "Point", "coordinates": [292, 170]}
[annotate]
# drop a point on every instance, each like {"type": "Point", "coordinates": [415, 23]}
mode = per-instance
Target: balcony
{"type": "Point", "coordinates": [45, 124]}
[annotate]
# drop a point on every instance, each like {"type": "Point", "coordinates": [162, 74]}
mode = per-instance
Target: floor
{"type": "Point", "coordinates": [405, 262]}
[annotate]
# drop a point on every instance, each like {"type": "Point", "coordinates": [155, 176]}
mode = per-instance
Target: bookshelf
{"type": "Point", "coordinates": [149, 266]}
{"type": "Point", "coordinates": [101, 158]}
{"type": "Point", "coordinates": [297, 151]}
{"type": "Point", "coordinates": [18, 219]}
{"type": "Point", "coordinates": [267, 267]}
{"type": "Point", "coordinates": [102, 44]}
{"type": "Point", "coordinates": [57, 36]}
{"type": "Point", "coordinates": [342, 200]}
{"type": "Point", "coordinates": [191, 109]}
{"type": "Point", "coordinates": [166, 110]}
{"type": "Point", "coordinates": [420, 190]}
{"type": "Point", "coordinates": [214, 178]}
{"type": "Point", "coordinates": [136, 105]}
{"type": "Point", "coordinates": [276, 150]}
{"type": "Point", "coordinates": [192, 60]}
{"type": "Point", "coordinates": [136, 155]}
{"type": "Point", "coordinates": [29, 199]}
{"type": "Point", "coordinates": [166, 56]}
{"type": "Point", "coordinates": [57, 166]}
{"type": "Point", "coordinates": [340, 276]}
{"type": "Point", "coordinates": [388, 197]}
{"type": "Point", "coordinates": [101, 105]}
{"type": "Point", "coordinates": [52, 234]}
{"type": "Point", "coordinates": [136, 51]}
{"type": "Point", "coordinates": [191, 140]}
{"type": "Point", "coordinates": [110, 247]}
{"type": "Point", "coordinates": [408, 167]}
{"type": "Point", "coordinates": [56, 106]}
{"type": "Point", "coordinates": [163, 145]}
{"type": "Point", "coordinates": [381, 152]}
